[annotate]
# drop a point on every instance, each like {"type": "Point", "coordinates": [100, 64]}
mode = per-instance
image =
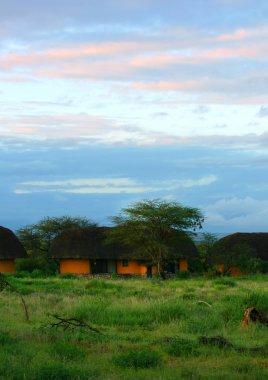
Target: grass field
{"type": "Point", "coordinates": [149, 329]}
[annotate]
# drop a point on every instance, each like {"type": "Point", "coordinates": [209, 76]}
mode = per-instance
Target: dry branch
{"type": "Point", "coordinates": [6, 284]}
{"type": "Point", "coordinates": [71, 323]}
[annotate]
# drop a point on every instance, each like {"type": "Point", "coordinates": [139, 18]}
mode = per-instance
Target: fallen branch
{"type": "Point", "coordinates": [251, 314]}
{"type": "Point", "coordinates": [6, 284]}
{"type": "Point", "coordinates": [71, 323]}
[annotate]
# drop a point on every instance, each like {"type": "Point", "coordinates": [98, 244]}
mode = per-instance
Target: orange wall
{"type": "Point", "coordinates": [75, 266]}
{"type": "Point", "coordinates": [134, 267]}
{"type": "Point", "coordinates": [80, 266]}
{"type": "Point", "coordinates": [183, 265]}
{"type": "Point", "coordinates": [7, 266]}
{"type": "Point", "coordinates": [233, 271]}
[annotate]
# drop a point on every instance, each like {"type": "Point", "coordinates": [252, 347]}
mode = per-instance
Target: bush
{"type": "Point", "coordinates": [195, 265]}
{"type": "Point", "coordinates": [37, 273]}
{"type": "Point", "coordinates": [183, 275]}
{"type": "Point", "coordinates": [21, 274]}
{"type": "Point", "coordinates": [67, 351]}
{"type": "Point", "coordinates": [226, 281]}
{"type": "Point", "coordinates": [5, 338]}
{"type": "Point", "coordinates": [138, 359]}
{"type": "Point", "coordinates": [67, 276]}
{"type": "Point", "coordinates": [60, 372]}
{"type": "Point", "coordinates": [182, 347]}
{"type": "Point", "coordinates": [41, 263]}
{"type": "Point", "coordinates": [263, 266]}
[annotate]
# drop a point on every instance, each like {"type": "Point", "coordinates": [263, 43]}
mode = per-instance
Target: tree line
{"type": "Point", "coordinates": [153, 228]}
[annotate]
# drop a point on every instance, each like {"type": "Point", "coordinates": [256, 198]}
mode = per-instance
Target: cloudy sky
{"type": "Point", "coordinates": [104, 103]}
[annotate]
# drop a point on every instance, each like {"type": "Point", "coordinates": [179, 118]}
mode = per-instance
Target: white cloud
{"type": "Point", "coordinates": [110, 185]}
{"type": "Point", "coordinates": [203, 181]}
{"type": "Point", "coordinates": [233, 213]}
{"type": "Point", "coordinates": [263, 111]}
{"type": "Point", "coordinates": [83, 182]}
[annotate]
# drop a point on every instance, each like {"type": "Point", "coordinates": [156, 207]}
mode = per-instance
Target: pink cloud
{"type": "Point", "coordinates": [237, 35]}
{"type": "Point", "coordinates": [233, 52]}
{"type": "Point", "coordinates": [67, 126]}
{"type": "Point", "coordinates": [159, 60]}
{"type": "Point", "coordinates": [76, 52]}
{"type": "Point", "coordinates": [242, 34]}
{"type": "Point", "coordinates": [167, 86]}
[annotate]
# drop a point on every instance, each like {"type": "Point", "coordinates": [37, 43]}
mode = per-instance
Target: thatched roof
{"type": "Point", "coordinates": [10, 246]}
{"type": "Point", "coordinates": [91, 243]}
{"type": "Point", "coordinates": [258, 241]}
{"type": "Point", "coordinates": [83, 243]}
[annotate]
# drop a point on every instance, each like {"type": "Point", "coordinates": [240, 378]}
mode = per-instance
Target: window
{"type": "Point", "coordinates": [125, 263]}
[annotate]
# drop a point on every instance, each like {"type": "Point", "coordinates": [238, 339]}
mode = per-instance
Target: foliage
{"type": "Point", "coordinates": [138, 359]}
{"type": "Point", "coordinates": [182, 347]}
{"type": "Point", "coordinates": [154, 228]}
{"type": "Point", "coordinates": [226, 281]}
{"type": "Point", "coordinates": [37, 239]}
{"type": "Point", "coordinates": [35, 262]}
{"type": "Point", "coordinates": [205, 251]}
{"type": "Point", "coordinates": [184, 274]}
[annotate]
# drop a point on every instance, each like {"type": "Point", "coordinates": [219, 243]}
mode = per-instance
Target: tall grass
{"type": "Point", "coordinates": [148, 329]}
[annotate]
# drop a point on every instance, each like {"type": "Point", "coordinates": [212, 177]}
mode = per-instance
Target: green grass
{"type": "Point", "coordinates": [149, 329]}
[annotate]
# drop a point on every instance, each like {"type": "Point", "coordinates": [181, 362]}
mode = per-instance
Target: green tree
{"type": "Point", "coordinates": [38, 237]}
{"type": "Point", "coordinates": [205, 251]}
{"type": "Point", "coordinates": [153, 228]}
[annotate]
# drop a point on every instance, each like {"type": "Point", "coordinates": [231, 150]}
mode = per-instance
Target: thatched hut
{"type": "Point", "coordinates": [254, 244]}
{"type": "Point", "coordinates": [10, 249]}
{"type": "Point", "coordinates": [258, 241]}
{"type": "Point", "coordinates": [85, 250]}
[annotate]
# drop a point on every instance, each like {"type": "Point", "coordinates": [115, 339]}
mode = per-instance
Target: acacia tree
{"type": "Point", "coordinates": [153, 228]}
{"type": "Point", "coordinates": [37, 238]}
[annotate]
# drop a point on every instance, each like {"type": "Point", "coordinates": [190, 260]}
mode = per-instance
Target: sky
{"type": "Point", "coordinates": [104, 104]}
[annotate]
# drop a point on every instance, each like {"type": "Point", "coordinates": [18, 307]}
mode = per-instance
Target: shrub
{"type": "Point", "coordinates": [61, 372]}
{"type": "Point", "coordinates": [188, 296]}
{"type": "Point", "coordinates": [67, 276]}
{"type": "Point", "coordinates": [182, 347]}
{"type": "Point", "coordinates": [37, 273]}
{"type": "Point", "coordinates": [138, 359]}
{"type": "Point", "coordinates": [5, 338]}
{"type": "Point", "coordinates": [263, 266]}
{"type": "Point", "coordinates": [226, 281]}
{"type": "Point", "coordinates": [101, 287]}
{"type": "Point", "coordinates": [21, 274]}
{"type": "Point", "coordinates": [183, 275]}
{"type": "Point", "coordinates": [195, 265]}
{"type": "Point", "coordinates": [67, 351]}
{"type": "Point", "coordinates": [31, 263]}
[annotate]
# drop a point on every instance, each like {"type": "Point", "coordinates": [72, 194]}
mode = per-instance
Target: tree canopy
{"type": "Point", "coordinates": [37, 238]}
{"type": "Point", "coordinates": [154, 227]}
